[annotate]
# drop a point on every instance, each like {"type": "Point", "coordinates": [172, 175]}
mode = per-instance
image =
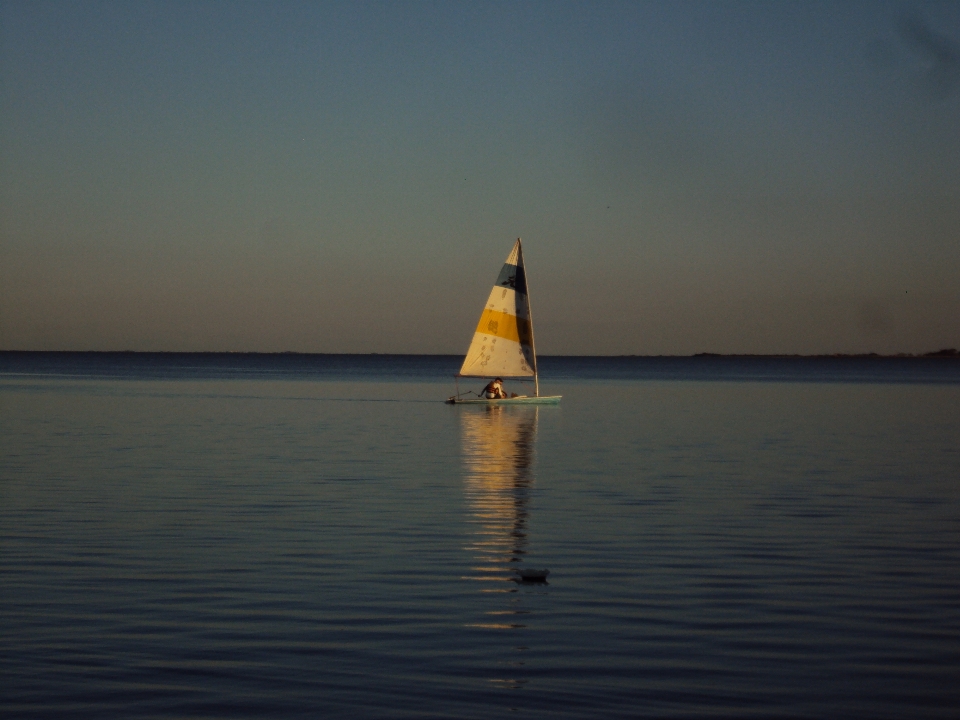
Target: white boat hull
{"type": "Point", "coordinates": [521, 400]}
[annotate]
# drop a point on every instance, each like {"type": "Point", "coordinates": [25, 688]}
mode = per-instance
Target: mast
{"type": "Point", "coordinates": [533, 345]}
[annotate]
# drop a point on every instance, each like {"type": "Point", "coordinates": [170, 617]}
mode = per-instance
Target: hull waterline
{"type": "Point", "coordinates": [532, 400]}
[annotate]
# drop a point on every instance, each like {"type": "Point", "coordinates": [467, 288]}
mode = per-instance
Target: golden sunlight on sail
{"type": "Point", "coordinates": [503, 341]}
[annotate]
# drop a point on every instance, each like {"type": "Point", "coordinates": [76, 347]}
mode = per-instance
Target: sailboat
{"type": "Point", "coordinates": [503, 345]}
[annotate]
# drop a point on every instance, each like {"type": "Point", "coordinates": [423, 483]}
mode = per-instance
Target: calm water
{"type": "Point", "coordinates": [297, 536]}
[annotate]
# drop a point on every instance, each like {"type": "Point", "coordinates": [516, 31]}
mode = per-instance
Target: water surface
{"type": "Point", "coordinates": [295, 538]}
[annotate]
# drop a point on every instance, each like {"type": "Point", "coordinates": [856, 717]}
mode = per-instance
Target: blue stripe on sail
{"type": "Point", "coordinates": [512, 276]}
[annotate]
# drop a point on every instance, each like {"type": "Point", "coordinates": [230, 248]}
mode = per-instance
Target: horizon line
{"type": "Point", "coordinates": [941, 353]}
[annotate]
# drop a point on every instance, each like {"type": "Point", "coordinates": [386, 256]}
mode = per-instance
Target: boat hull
{"type": "Point", "coordinates": [523, 400]}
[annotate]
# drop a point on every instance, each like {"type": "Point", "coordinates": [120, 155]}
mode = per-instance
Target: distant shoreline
{"type": "Point", "coordinates": [946, 353]}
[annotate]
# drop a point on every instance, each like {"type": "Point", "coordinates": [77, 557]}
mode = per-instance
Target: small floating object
{"type": "Point", "coordinates": [530, 575]}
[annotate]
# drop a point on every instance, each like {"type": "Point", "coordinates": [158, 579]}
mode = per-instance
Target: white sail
{"type": "Point", "coordinates": [503, 342]}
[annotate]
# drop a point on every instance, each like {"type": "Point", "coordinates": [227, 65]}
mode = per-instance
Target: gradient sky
{"type": "Point", "coordinates": [349, 177]}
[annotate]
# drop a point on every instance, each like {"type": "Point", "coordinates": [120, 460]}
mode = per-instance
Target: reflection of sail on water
{"type": "Point", "coordinates": [498, 445]}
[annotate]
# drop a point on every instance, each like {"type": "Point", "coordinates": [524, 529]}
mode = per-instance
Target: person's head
{"type": "Point", "coordinates": [499, 381]}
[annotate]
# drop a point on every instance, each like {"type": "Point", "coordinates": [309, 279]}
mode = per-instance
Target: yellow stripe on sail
{"type": "Point", "coordinates": [504, 325]}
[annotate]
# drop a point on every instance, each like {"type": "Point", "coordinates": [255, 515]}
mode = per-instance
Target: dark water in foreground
{"type": "Point", "coordinates": [291, 536]}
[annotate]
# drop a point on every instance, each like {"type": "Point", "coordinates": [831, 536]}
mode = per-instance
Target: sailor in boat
{"type": "Point", "coordinates": [494, 390]}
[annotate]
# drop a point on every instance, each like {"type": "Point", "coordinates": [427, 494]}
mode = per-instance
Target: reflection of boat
{"type": "Point", "coordinates": [498, 445]}
{"type": "Point", "coordinates": [498, 456]}
{"type": "Point", "coordinates": [503, 344]}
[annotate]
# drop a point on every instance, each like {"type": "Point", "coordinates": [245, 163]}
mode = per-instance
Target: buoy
{"type": "Point", "coordinates": [531, 574]}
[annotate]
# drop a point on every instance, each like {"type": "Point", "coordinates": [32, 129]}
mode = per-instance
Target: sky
{"type": "Point", "coordinates": [349, 177]}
